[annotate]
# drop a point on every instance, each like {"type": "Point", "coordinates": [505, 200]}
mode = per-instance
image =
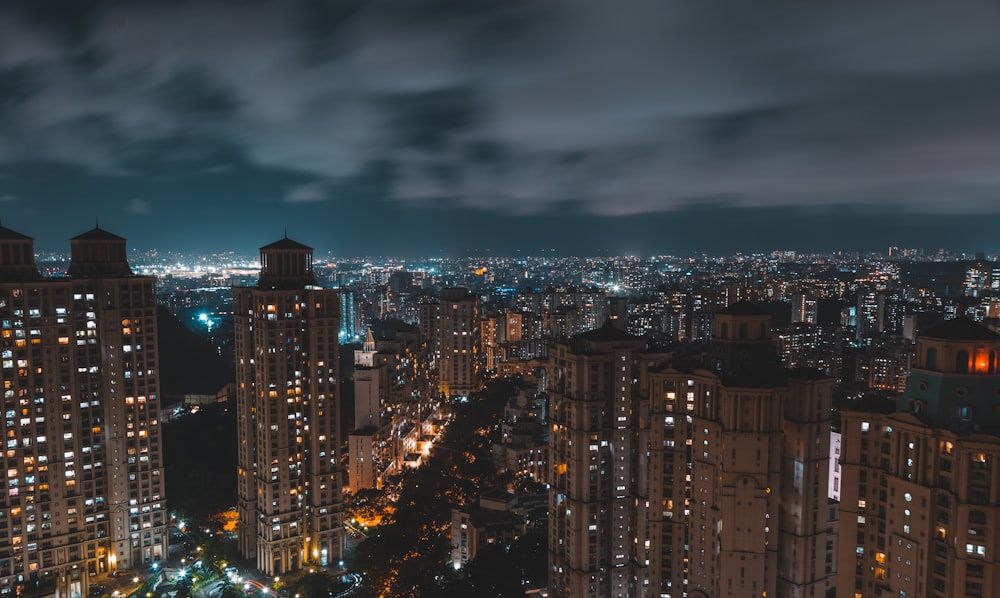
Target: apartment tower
{"type": "Point", "coordinates": [689, 475]}
{"type": "Point", "coordinates": [738, 469]}
{"type": "Point", "coordinates": [595, 510]}
{"type": "Point", "coordinates": [83, 459]}
{"type": "Point", "coordinates": [459, 328]}
{"type": "Point", "coordinates": [289, 476]}
{"type": "Point", "coordinates": [920, 498]}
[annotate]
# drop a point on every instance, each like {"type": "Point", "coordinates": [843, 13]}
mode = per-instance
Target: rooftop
{"type": "Point", "coordinates": [8, 234]}
{"type": "Point", "coordinates": [606, 333]}
{"type": "Point", "coordinates": [960, 329]}
{"type": "Point", "coordinates": [286, 243]}
{"type": "Point", "coordinates": [743, 308]}
{"type": "Point", "coordinates": [97, 234]}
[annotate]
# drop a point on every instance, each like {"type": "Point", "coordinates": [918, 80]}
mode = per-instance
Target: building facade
{"type": "Point", "coordinates": [596, 511]}
{"type": "Point", "coordinates": [738, 471]}
{"type": "Point", "coordinates": [677, 476]}
{"type": "Point", "coordinates": [288, 405]}
{"type": "Point", "coordinates": [920, 492]}
{"type": "Point", "coordinates": [459, 328]}
{"type": "Point", "coordinates": [83, 459]}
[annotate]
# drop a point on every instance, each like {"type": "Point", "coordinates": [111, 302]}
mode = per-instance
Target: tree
{"type": "Point", "coordinates": [315, 584]}
{"type": "Point", "coordinates": [494, 573]}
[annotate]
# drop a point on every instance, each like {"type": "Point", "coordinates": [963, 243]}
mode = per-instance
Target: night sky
{"type": "Point", "coordinates": [423, 127]}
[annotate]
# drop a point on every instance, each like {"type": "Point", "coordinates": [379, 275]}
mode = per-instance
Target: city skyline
{"type": "Point", "coordinates": [761, 426]}
{"type": "Point", "coordinates": [460, 127]}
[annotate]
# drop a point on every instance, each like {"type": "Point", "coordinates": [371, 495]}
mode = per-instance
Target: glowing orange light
{"type": "Point", "coordinates": [981, 365]}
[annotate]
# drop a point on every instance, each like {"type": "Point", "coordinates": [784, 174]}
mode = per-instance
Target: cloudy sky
{"type": "Point", "coordinates": [453, 126]}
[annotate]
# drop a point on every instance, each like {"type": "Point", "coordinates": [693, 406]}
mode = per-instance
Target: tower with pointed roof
{"type": "Point", "coordinates": [920, 499]}
{"type": "Point", "coordinates": [83, 461]}
{"type": "Point", "coordinates": [365, 356]}
{"type": "Point", "coordinates": [17, 257]}
{"type": "Point", "coordinates": [98, 253]}
{"type": "Point", "coordinates": [368, 452]}
{"type": "Point", "coordinates": [288, 405]}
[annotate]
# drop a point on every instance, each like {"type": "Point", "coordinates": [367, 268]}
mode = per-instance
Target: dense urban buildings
{"type": "Point", "coordinates": [288, 409]}
{"type": "Point", "coordinates": [84, 490]}
{"type": "Point", "coordinates": [395, 405]}
{"type": "Point", "coordinates": [918, 510]}
{"type": "Point", "coordinates": [723, 460]}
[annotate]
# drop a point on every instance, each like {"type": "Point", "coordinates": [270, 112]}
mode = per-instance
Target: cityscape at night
{"type": "Point", "coordinates": [467, 298]}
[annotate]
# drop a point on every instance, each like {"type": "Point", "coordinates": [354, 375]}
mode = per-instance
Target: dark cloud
{"type": "Point", "coordinates": [70, 20]}
{"type": "Point", "coordinates": [18, 85]}
{"type": "Point", "coordinates": [429, 119]}
{"type": "Point", "coordinates": [193, 94]}
{"type": "Point", "coordinates": [509, 109]}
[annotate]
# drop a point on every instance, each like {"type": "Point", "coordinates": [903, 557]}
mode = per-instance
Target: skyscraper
{"type": "Point", "coordinates": [83, 459]}
{"type": "Point", "coordinates": [595, 534]}
{"type": "Point", "coordinates": [738, 471]}
{"type": "Point", "coordinates": [459, 367]}
{"type": "Point", "coordinates": [805, 309]}
{"type": "Point", "coordinates": [871, 316]}
{"type": "Point", "coordinates": [288, 405]}
{"type": "Point", "coordinates": [921, 485]}
{"type": "Point", "coordinates": [680, 476]}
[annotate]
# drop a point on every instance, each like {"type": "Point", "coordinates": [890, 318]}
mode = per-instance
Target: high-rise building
{"type": "Point", "coordinates": [688, 477]}
{"type": "Point", "coordinates": [921, 475]}
{"type": "Point", "coordinates": [596, 536]}
{"type": "Point", "coordinates": [805, 309]}
{"type": "Point", "coordinates": [288, 405]}
{"type": "Point", "coordinates": [459, 367]}
{"type": "Point", "coordinates": [83, 459]}
{"type": "Point", "coordinates": [738, 469]}
{"type": "Point", "coordinates": [871, 316]}
{"type": "Point", "coordinates": [489, 336]}
{"type": "Point", "coordinates": [348, 317]}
